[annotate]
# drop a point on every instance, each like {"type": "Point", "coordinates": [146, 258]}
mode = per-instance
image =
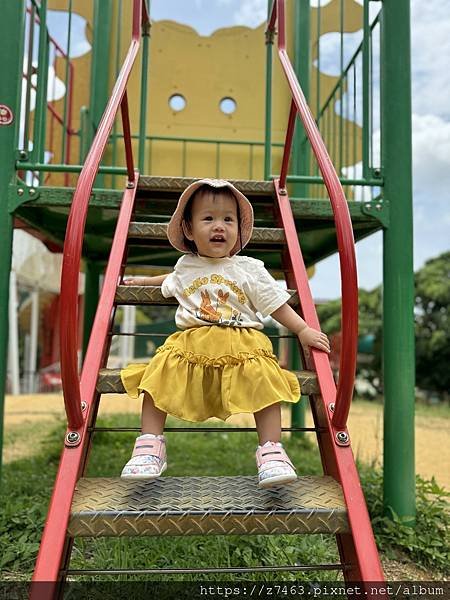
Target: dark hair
{"type": "Point", "coordinates": [187, 213]}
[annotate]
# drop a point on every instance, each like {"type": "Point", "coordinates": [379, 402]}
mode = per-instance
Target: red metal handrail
{"type": "Point", "coordinates": [344, 231]}
{"type": "Point", "coordinates": [77, 220]}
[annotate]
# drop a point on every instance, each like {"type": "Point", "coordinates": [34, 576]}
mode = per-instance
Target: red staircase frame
{"type": "Point", "coordinates": [331, 408]}
{"type": "Point", "coordinates": [80, 396]}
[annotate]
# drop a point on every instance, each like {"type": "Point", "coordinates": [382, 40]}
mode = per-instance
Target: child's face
{"type": "Point", "coordinates": [214, 226]}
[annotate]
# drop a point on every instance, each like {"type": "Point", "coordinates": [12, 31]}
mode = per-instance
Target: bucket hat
{"type": "Point", "coordinates": [175, 233]}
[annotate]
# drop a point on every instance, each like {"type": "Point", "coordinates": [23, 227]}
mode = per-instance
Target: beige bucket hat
{"type": "Point", "coordinates": [175, 233]}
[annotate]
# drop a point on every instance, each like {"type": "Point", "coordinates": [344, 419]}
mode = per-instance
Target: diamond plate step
{"type": "Point", "coordinates": [151, 294]}
{"type": "Point", "coordinates": [267, 236]}
{"type": "Point", "coordinates": [206, 505]}
{"type": "Point", "coordinates": [157, 198]}
{"type": "Point", "coordinates": [109, 382]}
{"type": "Point", "coordinates": [179, 184]}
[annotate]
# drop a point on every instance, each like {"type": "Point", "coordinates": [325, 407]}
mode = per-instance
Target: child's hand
{"type": "Point", "coordinates": [133, 281]}
{"type": "Point", "coordinates": [311, 337]}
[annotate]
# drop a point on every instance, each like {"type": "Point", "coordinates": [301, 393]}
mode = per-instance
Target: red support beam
{"type": "Point", "coordinates": [75, 230]}
{"type": "Point", "coordinates": [344, 231]}
{"type": "Point", "coordinates": [53, 543]}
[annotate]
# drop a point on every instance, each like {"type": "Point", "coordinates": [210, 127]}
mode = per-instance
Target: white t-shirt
{"type": "Point", "coordinates": [227, 291]}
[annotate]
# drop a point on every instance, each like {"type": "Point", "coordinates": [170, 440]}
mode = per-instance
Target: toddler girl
{"type": "Point", "coordinates": [220, 363]}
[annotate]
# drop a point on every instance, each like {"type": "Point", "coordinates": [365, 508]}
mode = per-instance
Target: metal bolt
{"type": "Point", "coordinates": [331, 406]}
{"type": "Point", "coordinates": [368, 206]}
{"type": "Point", "coordinates": [130, 185]}
{"type": "Point", "coordinates": [83, 405]}
{"type": "Point", "coordinates": [342, 437]}
{"type": "Point", "coordinates": [377, 172]}
{"type": "Point", "coordinates": [378, 206]}
{"type": "Point", "coordinates": [20, 191]}
{"type": "Point", "coordinates": [23, 155]}
{"type": "Point", "coordinates": [6, 115]}
{"type": "Point", "coordinates": [72, 438]}
{"type": "Point", "coordinates": [283, 192]}
{"type": "Point", "coordinates": [32, 191]}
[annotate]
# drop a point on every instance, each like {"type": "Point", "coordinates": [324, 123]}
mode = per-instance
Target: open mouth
{"type": "Point", "coordinates": [217, 238]}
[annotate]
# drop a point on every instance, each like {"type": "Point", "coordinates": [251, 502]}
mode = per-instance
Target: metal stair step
{"type": "Point", "coordinates": [266, 236]}
{"type": "Point", "coordinates": [179, 184]}
{"type": "Point", "coordinates": [157, 197]}
{"type": "Point", "coordinates": [109, 382]}
{"type": "Point", "coordinates": [151, 294]}
{"type": "Point", "coordinates": [206, 505]}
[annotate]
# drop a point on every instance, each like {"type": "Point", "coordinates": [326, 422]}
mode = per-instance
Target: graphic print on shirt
{"type": "Point", "coordinates": [221, 313]}
{"type": "Point", "coordinates": [207, 312]}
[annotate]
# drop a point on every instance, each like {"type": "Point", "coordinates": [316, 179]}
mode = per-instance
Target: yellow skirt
{"type": "Point", "coordinates": [213, 371]}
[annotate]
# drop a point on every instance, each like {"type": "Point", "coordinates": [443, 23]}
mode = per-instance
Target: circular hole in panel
{"type": "Point", "coordinates": [228, 105]}
{"type": "Point", "coordinates": [177, 102]}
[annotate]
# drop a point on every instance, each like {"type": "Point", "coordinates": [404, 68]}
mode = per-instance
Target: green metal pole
{"type": "Point", "coordinates": [116, 74]}
{"type": "Point", "coordinates": [66, 81]}
{"type": "Point", "coordinates": [341, 94]}
{"type": "Point", "coordinates": [91, 295]}
{"type": "Point", "coordinates": [144, 94]}
{"type": "Point", "coordinates": [103, 11]}
{"type": "Point", "coordinates": [41, 92]}
{"type": "Point", "coordinates": [11, 51]}
{"type": "Point", "coordinates": [300, 150]}
{"type": "Point", "coordinates": [297, 410]}
{"type": "Point", "coordinates": [84, 134]}
{"type": "Point", "coordinates": [398, 275]}
{"type": "Point", "coordinates": [366, 95]}
{"type": "Point", "coordinates": [268, 120]}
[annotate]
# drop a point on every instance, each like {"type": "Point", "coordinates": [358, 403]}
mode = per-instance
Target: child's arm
{"type": "Point", "coordinates": [307, 335]}
{"type": "Point", "coordinates": [155, 280]}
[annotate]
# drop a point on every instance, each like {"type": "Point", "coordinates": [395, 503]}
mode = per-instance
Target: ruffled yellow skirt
{"type": "Point", "coordinates": [213, 371]}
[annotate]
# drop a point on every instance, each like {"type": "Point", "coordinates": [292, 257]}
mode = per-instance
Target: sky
{"type": "Point", "coordinates": [430, 31]}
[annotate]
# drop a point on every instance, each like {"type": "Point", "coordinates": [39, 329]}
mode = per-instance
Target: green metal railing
{"type": "Point", "coordinates": [37, 152]}
{"type": "Point", "coordinates": [76, 142]}
{"type": "Point", "coordinates": [39, 125]}
{"type": "Point", "coordinates": [346, 119]}
{"type": "Point", "coordinates": [349, 115]}
{"type": "Point", "coordinates": [187, 147]}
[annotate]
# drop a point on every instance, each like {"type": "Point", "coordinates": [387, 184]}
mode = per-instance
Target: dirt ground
{"type": "Point", "coordinates": [365, 427]}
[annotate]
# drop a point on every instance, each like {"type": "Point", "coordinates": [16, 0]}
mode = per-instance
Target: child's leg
{"type": "Point", "coordinates": [268, 423]}
{"type": "Point", "coordinates": [274, 466]}
{"type": "Point", "coordinates": [148, 460]}
{"type": "Point", "coordinates": [153, 419]}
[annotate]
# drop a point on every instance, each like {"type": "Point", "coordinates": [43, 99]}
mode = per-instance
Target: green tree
{"type": "Point", "coordinates": [432, 324]}
{"type": "Point", "coordinates": [369, 323]}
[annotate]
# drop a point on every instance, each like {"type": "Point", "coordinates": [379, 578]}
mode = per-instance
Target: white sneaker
{"type": "Point", "coordinates": [274, 465]}
{"type": "Point", "coordinates": [149, 459]}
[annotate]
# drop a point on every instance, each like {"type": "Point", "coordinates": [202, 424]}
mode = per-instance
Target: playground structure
{"type": "Point", "coordinates": [292, 205]}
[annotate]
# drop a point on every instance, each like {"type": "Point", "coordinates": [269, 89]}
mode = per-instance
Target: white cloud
{"type": "Point", "coordinates": [431, 150]}
{"type": "Point", "coordinates": [430, 41]}
{"type": "Point", "coordinates": [326, 283]}
{"type": "Point", "coordinates": [58, 26]}
{"type": "Point", "coordinates": [330, 48]}
{"type": "Point", "coordinates": [431, 181]}
{"type": "Point", "coordinates": [251, 13]}
{"type": "Point", "coordinates": [315, 3]}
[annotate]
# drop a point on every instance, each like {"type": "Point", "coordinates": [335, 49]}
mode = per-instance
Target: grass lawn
{"type": "Point", "coordinates": [28, 481]}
